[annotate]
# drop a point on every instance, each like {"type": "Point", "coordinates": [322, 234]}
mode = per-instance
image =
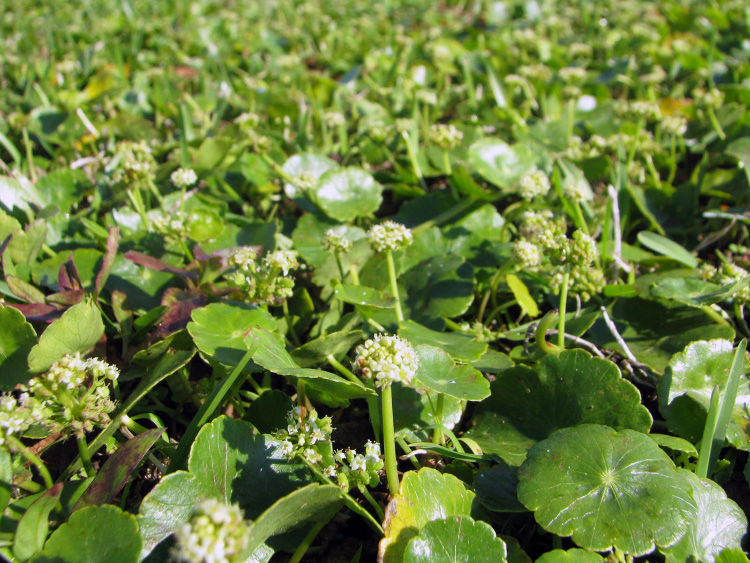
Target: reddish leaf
{"type": "Point", "coordinates": [156, 264]}
{"type": "Point", "coordinates": [113, 242]}
{"type": "Point", "coordinates": [117, 469]}
{"type": "Point", "coordinates": [38, 312]}
{"type": "Point", "coordinates": [67, 298]}
{"type": "Point", "coordinates": [67, 276]}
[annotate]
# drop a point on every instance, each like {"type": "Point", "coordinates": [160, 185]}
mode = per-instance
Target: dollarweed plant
{"type": "Point", "coordinates": [407, 281]}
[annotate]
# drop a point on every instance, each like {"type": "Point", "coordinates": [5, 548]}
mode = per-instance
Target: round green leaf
{"type": "Point", "coordinates": [497, 488]}
{"type": "Point", "coordinates": [413, 410]}
{"type": "Point", "coordinates": [459, 539]}
{"type": "Point", "coordinates": [218, 330]}
{"type": "Point", "coordinates": [306, 163]}
{"type": "Point", "coordinates": [336, 344]}
{"type": "Point", "coordinates": [438, 372]}
{"type": "Point", "coordinates": [442, 286]}
{"type": "Point", "coordinates": [732, 556]}
{"type": "Point", "coordinates": [17, 338]}
{"type": "Point", "coordinates": [500, 163]}
{"type": "Point", "coordinates": [594, 484]}
{"type": "Point", "coordinates": [567, 389]}
{"type": "Point", "coordinates": [460, 347]}
{"type": "Point", "coordinates": [348, 193]}
{"type": "Point", "coordinates": [97, 534]}
{"type": "Point", "coordinates": [361, 295]}
{"type": "Point", "coordinates": [423, 496]}
{"type": "Point", "coordinates": [686, 387]}
{"type": "Point", "coordinates": [77, 330]}
{"type": "Point", "coordinates": [720, 524]}
{"type": "Point", "coordinates": [570, 556]}
{"type": "Point", "coordinates": [204, 224]}
{"type": "Point", "coordinates": [229, 461]}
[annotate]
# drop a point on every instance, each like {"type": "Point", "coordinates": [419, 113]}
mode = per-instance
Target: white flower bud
{"type": "Point", "coordinates": [387, 359]}
{"type": "Point", "coordinates": [389, 235]}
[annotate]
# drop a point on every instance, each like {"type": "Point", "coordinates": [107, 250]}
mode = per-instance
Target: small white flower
{"type": "Point", "coordinates": [184, 177]}
{"type": "Point", "coordinates": [527, 253]}
{"type": "Point", "coordinates": [282, 260]}
{"type": "Point", "coordinates": [389, 235]}
{"type": "Point", "coordinates": [578, 190]}
{"type": "Point", "coordinates": [336, 242]}
{"type": "Point", "coordinates": [445, 135]}
{"type": "Point", "coordinates": [533, 184]}
{"type": "Point", "coordinates": [217, 533]}
{"type": "Point", "coordinates": [387, 359]}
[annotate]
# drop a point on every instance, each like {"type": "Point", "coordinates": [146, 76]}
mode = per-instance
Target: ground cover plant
{"type": "Point", "coordinates": [358, 281]}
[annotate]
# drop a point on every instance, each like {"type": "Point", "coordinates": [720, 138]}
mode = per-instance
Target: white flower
{"type": "Point", "coordinates": [533, 184]}
{"type": "Point", "coordinates": [527, 253]}
{"type": "Point", "coordinates": [387, 359]}
{"type": "Point", "coordinates": [336, 242]}
{"type": "Point", "coordinates": [243, 258]}
{"type": "Point", "coordinates": [446, 136]}
{"type": "Point", "coordinates": [184, 177]}
{"type": "Point", "coordinates": [282, 260]}
{"type": "Point", "coordinates": [389, 235]}
{"type": "Point", "coordinates": [217, 533]}
{"type": "Point", "coordinates": [674, 125]}
{"type": "Point", "coordinates": [578, 190]}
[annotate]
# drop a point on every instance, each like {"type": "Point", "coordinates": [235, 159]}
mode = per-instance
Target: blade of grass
{"type": "Point", "coordinates": [708, 434]}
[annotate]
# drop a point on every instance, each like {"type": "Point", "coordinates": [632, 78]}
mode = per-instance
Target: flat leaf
{"type": "Point", "coordinates": [740, 149]}
{"type": "Point", "coordinates": [493, 361]}
{"type": "Point", "coordinates": [423, 496]}
{"type": "Point", "coordinates": [668, 248]}
{"type": "Point", "coordinates": [497, 488]}
{"type": "Point", "coordinates": [593, 483]}
{"type": "Point", "coordinates": [696, 292]}
{"type": "Point", "coordinates": [501, 164]}
{"type": "Point", "coordinates": [570, 556]}
{"type": "Point", "coordinates": [720, 524]}
{"type": "Point", "coordinates": [218, 330]}
{"type": "Point", "coordinates": [361, 295]}
{"type": "Point", "coordinates": [565, 390]}
{"type": "Point", "coordinates": [97, 534]}
{"type": "Point", "coordinates": [413, 410]}
{"type": "Point", "coordinates": [347, 193]}
{"type": "Point", "coordinates": [656, 330]}
{"type": "Point", "coordinates": [522, 295]}
{"type": "Point", "coordinates": [312, 502]}
{"type": "Point", "coordinates": [118, 468]}
{"type": "Point", "coordinates": [268, 412]}
{"type": "Point", "coordinates": [732, 556]}
{"type": "Point", "coordinates": [442, 286]}
{"type": "Point", "coordinates": [336, 344]}
{"type": "Point", "coordinates": [17, 338]}
{"type": "Point", "coordinates": [461, 347]}
{"type": "Point", "coordinates": [458, 539]}
{"type": "Point", "coordinates": [272, 355]}
{"type": "Point", "coordinates": [229, 462]}
{"type": "Point", "coordinates": [685, 391]}
{"type": "Point", "coordinates": [33, 526]}
{"type": "Point", "coordinates": [79, 328]}
{"type": "Point", "coordinates": [438, 372]}
{"type": "Point", "coordinates": [312, 164]}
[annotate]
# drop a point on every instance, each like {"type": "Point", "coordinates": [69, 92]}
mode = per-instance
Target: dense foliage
{"type": "Point", "coordinates": [345, 281]}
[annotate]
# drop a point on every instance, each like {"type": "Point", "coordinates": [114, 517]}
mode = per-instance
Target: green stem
{"type": "Point", "coordinates": [580, 218]}
{"type": "Point", "coordinates": [340, 266]}
{"type": "Point", "coordinates": [716, 125]}
{"type": "Point", "coordinates": [413, 159]}
{"type": "Point", "coordinates": [563, 307]}
{"type": "Point", "coordinates": [447, 166]}
{"type": "Point", "coordinates": [709, 429]}
{"type": "Point", "coordinates": [389, 440]}
{"type": "Point", "coordinates": [407, 450]}
{"type": "Point", "coordinates": [342, 369]}
{"type": "Point", "coordinates": [715, 315]}
{"type": "Point", "coordinates": [541, 334]}
{"type": "Point", "coordinates": [437, 434]}
{"type": "Point", "coordinates": [212, 402]}
{"type": "Point", "coordinates": [83, 450]}
{"type": "Point", "coordinates": [29, 156]}
{"type": "Point", "coordinates": [394, 285]}
{"type": "Point", "coordinates": [354, 274]}
{"type": "Point", "coordinates": [571, 121]}
{"type": "Point", "coordinates": [21, 448]}
{"type": "Point", "coordinates": [304, 545]}
{"type": "Point", "coordinates": [289, 323]}
{"type": "Point", "coordinates": [368, 497]}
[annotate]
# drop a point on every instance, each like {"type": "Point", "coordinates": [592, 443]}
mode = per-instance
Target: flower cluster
{"type": "Point", "coordinates": [577, 190]}
{"type": "Point", "coordinates": [387, 359]}
{"type": "Point", "coordinates": [183, 177]}
{"type": "Point", "coordinates": [15, 417]}
{"type": "Point", "coordinates": [674, 125]}
{"type": "Point", "coordinates": [389, 235]}
{"type": "Point", "coordinates": [545, 246]}
{"type": "Point", "coordinates": [264, 281]}
{"type": "Point", "coordinates": [73, 394]}
{"type": "Point", "coordinates": [173, 227]}
{"type": "Point", "coordinates": [133, 164]}
{"type": "Point", "coordinates": [533, 184]}
{"type": "Point", "coordinates": [309, 437]}
{"type": "Point", "coordinates": [336, 242]}
{"type": "Point", "coordinates": [216, 533]}
{"type": "Point", "coordinates": [446, 136]}
{"type": "Point", "coordinates": [725, 274]}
